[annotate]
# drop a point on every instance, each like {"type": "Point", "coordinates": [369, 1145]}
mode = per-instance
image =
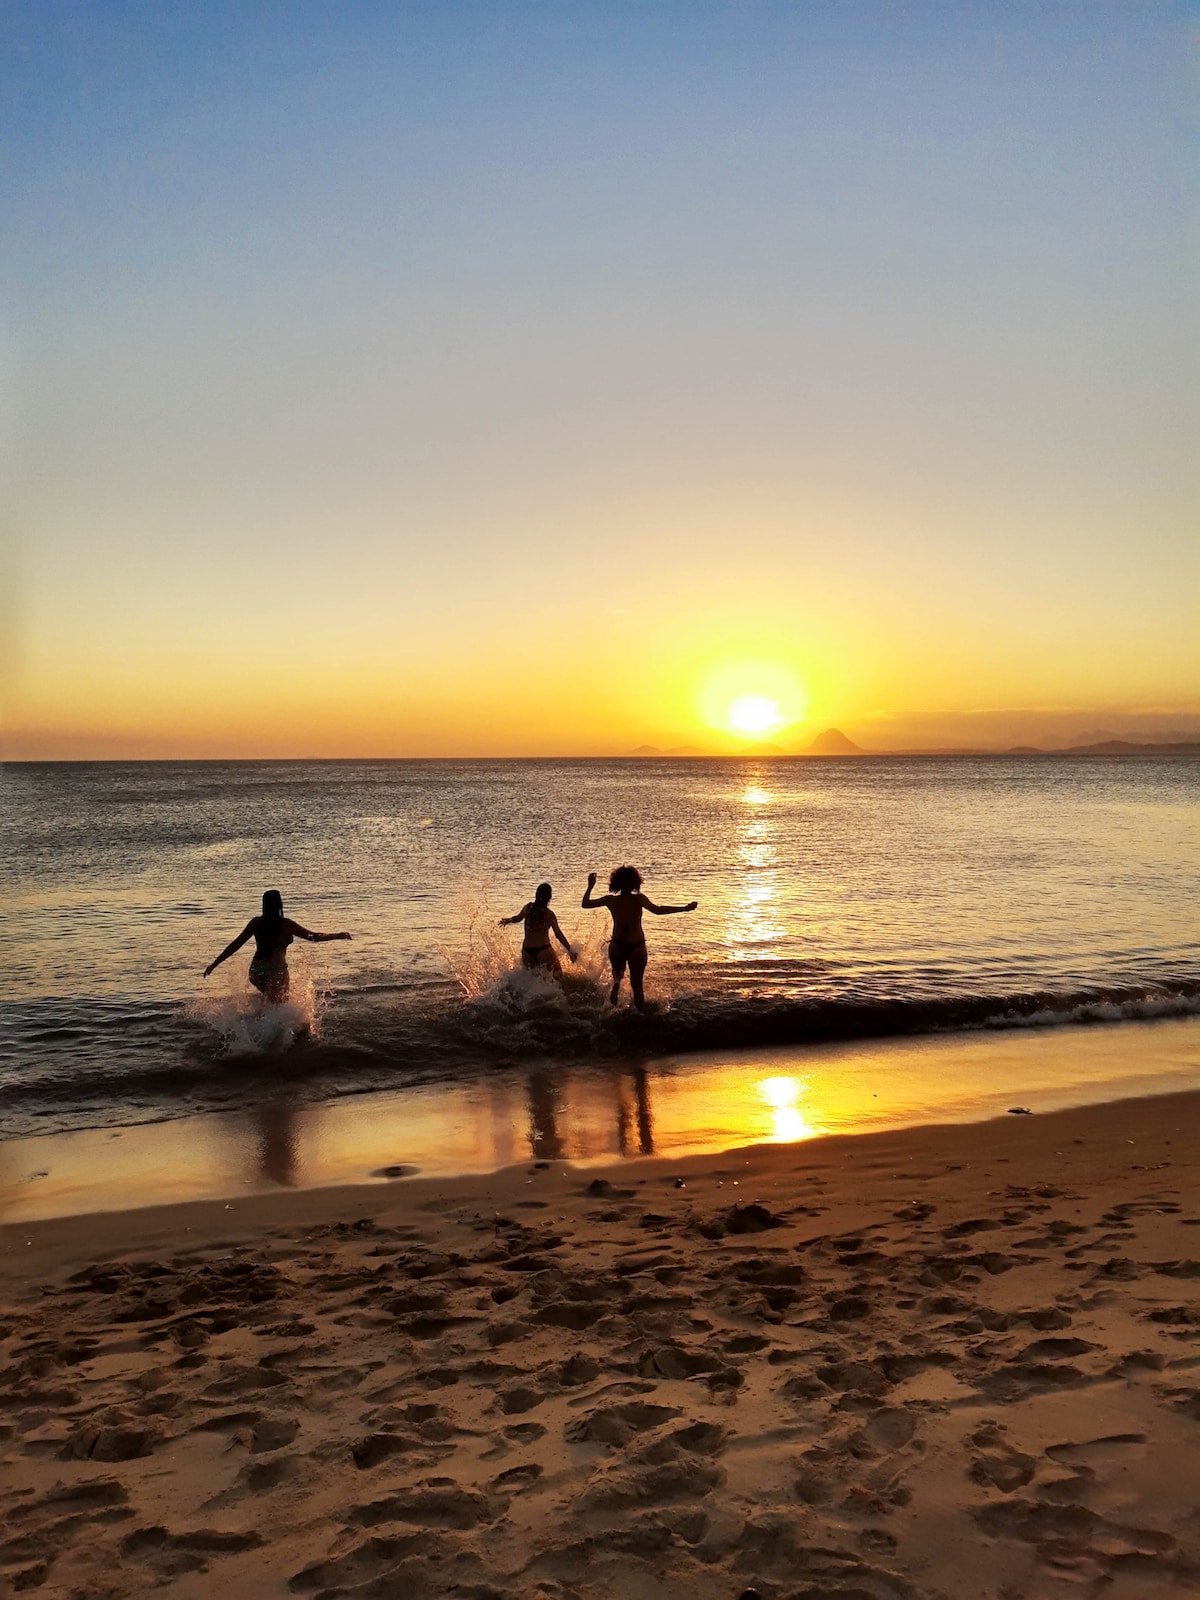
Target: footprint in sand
{"type": "Point", "coordinates": [889, 1430]}
{"type": "Point", "coordinates": [519, 1399]}
{"type": "Point", "coordinates": [1139, 1361]}
{"type": "Point", "coordinates": [1096, 1548]}
{"type": "Point", "coordinates": [1112, 1447]}
{"type": "Point", "coordinates": [998, 1465]}
{"type": "Point", "coordinates": [516, 1479]}
{"type": "Point", "coordinates": [431, 1503]}
{"type": "Point", "coordinates": [272, 1433]}
{"type": "Point", "coordinates": [613, 1488]}
{"type": "Point", "coordinates": [172, 1554]}
{"type": "Point", "coordinates": [379, 1562]}
{"type": "Point", "coordinates": [109, 1443]}
{"type": "Point", "coordinates": [378, 1447]}
{"type": "Point", "coordinates": [524, 1432]}
{"type": "Point", "coordinates": [617, 1424]}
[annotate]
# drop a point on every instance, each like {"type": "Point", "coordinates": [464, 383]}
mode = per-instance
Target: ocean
{"type": "Point", "coordinates": [839, 900]}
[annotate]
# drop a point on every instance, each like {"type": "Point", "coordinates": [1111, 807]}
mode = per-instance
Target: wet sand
{"type": "Point", "coordinates": [593, 1112]}
{"type": "Point", "coordinates": [947, 1361]}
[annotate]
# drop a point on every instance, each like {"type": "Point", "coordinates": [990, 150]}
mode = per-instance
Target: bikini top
{"type": "Point", "coordinates": [271, 942]}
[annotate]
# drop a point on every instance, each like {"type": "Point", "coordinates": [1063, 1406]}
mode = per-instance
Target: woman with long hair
{"type": "Point", "coordinates": [272, 932]}
{"type": "Point", "coordinates": [627, 944]}
{"type": "Point", "coordinates": [540, 922]}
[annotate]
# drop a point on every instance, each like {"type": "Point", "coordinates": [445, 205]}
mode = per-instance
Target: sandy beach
{"type": "Point", "coordinates": [599, 797]}
{"type": "Point", "coordinates": [953, 1361]}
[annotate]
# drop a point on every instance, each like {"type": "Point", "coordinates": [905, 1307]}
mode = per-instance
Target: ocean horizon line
{"type": "Point", "coordinates": [1113, 749]}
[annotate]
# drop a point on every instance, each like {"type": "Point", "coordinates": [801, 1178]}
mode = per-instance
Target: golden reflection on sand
{"type": "Point", "coordinates": [790, 1123]}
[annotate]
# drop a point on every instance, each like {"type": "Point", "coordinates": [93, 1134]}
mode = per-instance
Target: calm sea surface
{"type": "Point", "coordinates": [838, 900]}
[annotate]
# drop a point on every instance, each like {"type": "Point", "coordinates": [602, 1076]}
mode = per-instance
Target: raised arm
{"type": "Point", "coordinates": [233, 947]}
{"type": "Point", "coordinates": [666, 911]}
{"type": "Point", "coordinates": [507, 922]}
{"type": "Point", "coordinates": [590, 902]}
{"type": "Point", "coordinates": [298, 932]}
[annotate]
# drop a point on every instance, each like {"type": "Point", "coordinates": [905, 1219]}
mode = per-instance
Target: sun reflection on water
{"type": "Point", "coordinates": [755, 924]}
{"type": "Point", "coordinates": [789, 1124]}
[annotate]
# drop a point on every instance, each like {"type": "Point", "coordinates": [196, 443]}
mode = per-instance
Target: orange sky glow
{"type": "Point", "coordinates": [460, 385]}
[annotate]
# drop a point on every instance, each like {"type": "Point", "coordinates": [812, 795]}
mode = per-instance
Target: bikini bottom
{"type": "Point", "coordinates": [264, 974]}
{"type": "Point", "coordinates": [623, 952]}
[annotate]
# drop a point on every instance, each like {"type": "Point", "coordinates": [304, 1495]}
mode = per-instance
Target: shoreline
{"type": "Point", "coordinates": [1000, 1139]}
{"type": "Point", "coordinates": [593, 1113]}
{"type": "Point", "coordinates": [907, 1365]}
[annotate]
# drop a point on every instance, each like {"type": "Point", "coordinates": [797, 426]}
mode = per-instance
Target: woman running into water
{"type": "Point", "coordinates": [272, 932]}
{"type": "Point", "coordinates": [627, 946]}
{"type": "Point", "coordinates": [540, 922]}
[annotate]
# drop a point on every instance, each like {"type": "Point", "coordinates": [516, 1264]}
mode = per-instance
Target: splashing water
{"type": "Point", "coordinates": [530, 1009]}
{"type": "Point", "coordinates": [485, 960]}
{"type": "Point", "coordinates": [248, 1025]}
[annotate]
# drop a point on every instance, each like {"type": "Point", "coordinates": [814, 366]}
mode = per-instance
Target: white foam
{"type": "Point", "coordinates": [249, 1025]}
{"type": "Point", "coordinates": [487, 967]}
{"type": "Point", "coordinates": [1145, 1008]}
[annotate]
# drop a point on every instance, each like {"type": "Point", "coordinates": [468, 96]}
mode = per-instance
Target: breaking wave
{"type": "Point", "coordinates": [96, 1062]}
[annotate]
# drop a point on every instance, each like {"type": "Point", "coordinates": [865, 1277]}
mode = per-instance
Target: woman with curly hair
{"type": "Point", "coordinates": [627, 945]}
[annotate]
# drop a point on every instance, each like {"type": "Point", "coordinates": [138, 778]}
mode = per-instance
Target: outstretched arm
{"type": "Point", "coordinates": [314, 938]}
{"type": "Point", "coordinates": [590, 902]}
{"type": "Point", "coordinates": [561, 937]}
{"type": "Point", "coordinates": [507, 922]}
{"type": "Point", "coordinates": [668, 911]}
{"type": "Point", "coordinates": [231, 948]}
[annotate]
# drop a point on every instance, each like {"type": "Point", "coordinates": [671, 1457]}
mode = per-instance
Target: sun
{"type": "Point", "coordinates": [755, 714]}
{"type": "Point", "coordinates": [751, 699]}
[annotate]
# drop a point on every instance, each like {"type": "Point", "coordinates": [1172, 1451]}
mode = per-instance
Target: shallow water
{"type": "Point", "coordinates": [838, 900]}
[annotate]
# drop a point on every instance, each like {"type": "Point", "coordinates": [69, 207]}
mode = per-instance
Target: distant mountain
{"type": "Point", "coordinates": [1124, 747]}
{"type": "Point", "coordinates": [1091, 738]}
{"type": "Point", "coordinates": [833, 742]}
{"type": "Point", "coordinates": [755, 750]}
{"type": "Point", "coordinates": [1109, 747]}
{"type": "Point", "coordinates": [1086, 736]}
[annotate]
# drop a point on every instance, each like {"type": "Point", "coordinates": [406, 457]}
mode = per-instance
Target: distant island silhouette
{"type": "Point", "coordinates": [833, 742]}
{"type": "Point", "coordinates": [675, 750]}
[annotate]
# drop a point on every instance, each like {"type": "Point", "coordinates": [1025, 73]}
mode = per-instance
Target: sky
{"type": "Point", "coordinates": [520, 378]}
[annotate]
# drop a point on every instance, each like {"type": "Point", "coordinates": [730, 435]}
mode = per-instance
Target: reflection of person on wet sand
{"type": "Point", "coordinates": [627, 946]}
{"type": "Point", "coordinates": [645, 1114]}
{"type": "Point", "coordinates": [537, 953]}
{"type": "Point", "coordinates": [277, 1143]}
{"type": "Point", "coordinates": [272, 932]}
{"type": "Point", "coordinates": [544, 1142]}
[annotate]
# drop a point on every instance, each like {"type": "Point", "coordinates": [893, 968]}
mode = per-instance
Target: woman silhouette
{"type": "Point", "coordinates": [627, 946]}
{"type": "Point", "coordinates": [540, 922]}
{"type": "Point", "coordinates": [272, 932]}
